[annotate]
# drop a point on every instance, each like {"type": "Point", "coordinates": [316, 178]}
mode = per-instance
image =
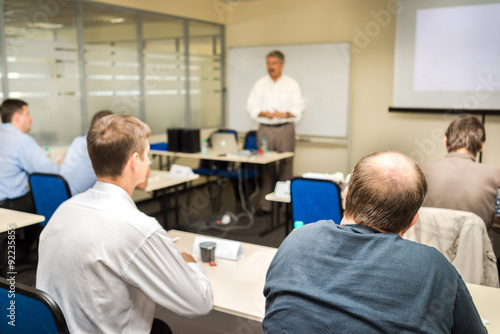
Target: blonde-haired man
{"type": "Point", "coordinates": [106, 263]}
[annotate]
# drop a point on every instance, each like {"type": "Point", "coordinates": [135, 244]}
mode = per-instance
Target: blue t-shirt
{"type": "Point", "coordinates": [77, 167]}
{"type": "Point", "coordinates": [327, 278]}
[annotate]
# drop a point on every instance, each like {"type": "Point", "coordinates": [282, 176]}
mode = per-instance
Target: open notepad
{"type": "Point", "coordinates": [225, 249]}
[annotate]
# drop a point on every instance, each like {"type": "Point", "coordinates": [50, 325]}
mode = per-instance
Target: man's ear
{"type": "Point", "coordinates": [133, 160]}
{"type": "Point", "coordinates": [15, 117]}
{"type": "Point", "coordinates": [482, 147]}
{"type": "Point", "coordinates": [345, 195]}
{"type": "Point", "coordinates": [411, 225]}
{"type": "Point", "coordinates": [445, 141]}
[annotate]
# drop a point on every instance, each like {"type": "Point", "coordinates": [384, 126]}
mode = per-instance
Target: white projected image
{"type": "Point", "coordinates": [457, 48]}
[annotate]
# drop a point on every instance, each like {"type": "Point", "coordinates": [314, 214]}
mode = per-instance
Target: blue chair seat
{"type": "Point", "coordinates": [159, 146]}
{"type": "Point", "coordinates": [210, 172]}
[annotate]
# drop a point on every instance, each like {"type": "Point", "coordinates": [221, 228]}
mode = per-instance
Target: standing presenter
{"type": "Point", "coordinates": [276, 103]}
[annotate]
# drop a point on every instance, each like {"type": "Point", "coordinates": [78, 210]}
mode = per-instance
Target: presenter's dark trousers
{"type": "Point", "coordinates": [279, 138]}
{"type": "Point", "coordinates": [159, 327]}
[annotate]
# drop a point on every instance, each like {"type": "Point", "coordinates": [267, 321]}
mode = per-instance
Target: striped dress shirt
{"type": "Point", "coordinates": [106, 264]}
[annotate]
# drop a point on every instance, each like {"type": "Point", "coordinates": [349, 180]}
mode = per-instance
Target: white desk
{"type": "Point", "coordinates": [273, 198]}
{"type": "Point", "coordinates": [261, 159]}
{"type": "Point", "coordinates": [159, 182]}
{"type": "Point", "coordinates": [18, 219]}
{"type": "Point", "coordinates": [487, 300]}
{"type": "Point", "coordinates": [275, 213]}
{"type": "Point", "coordinates": [237, 285]}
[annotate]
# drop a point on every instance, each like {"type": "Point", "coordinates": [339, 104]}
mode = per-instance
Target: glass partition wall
{"type": "Point", "coordinates": [70, 59]}
{"type": "Point", "coordinates": [164, 64]}
{"type": "Point", "coordinates": [42, 67]}
{"type": "Point", "coordinates": [205, 79]}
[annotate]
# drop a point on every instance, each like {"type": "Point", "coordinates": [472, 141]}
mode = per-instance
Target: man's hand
{"type": "Point", "coordinates": [267, 114]}
{"type": "Point", "coordinates": [187, 257]}
{"type": "Point", "coordinates": [61, 160]}
{"type": "Point", "coordinates": [279, 114]}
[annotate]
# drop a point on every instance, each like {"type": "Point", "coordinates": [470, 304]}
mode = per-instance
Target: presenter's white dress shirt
{"type": "Point", "coordinates": [106, 264]}
{"type": "Point", "coordinates": [283, 95]}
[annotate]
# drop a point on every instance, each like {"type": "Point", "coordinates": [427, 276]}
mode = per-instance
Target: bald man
{"type": "Point", "coordinates": [361, 276]}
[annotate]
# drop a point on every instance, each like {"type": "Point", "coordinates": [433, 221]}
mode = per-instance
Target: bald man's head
{"type": "Point", "coordinates": [385, 191]}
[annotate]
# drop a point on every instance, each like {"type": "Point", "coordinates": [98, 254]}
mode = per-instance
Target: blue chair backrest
{"type": "Point", "coordinates": [251, 141]}
{"type": "Point", "coordinates": [48, 192]}
{"type": "Point", "coordinates": [315, 199]}
{"type": "Point", "coordinates": [29, 309]}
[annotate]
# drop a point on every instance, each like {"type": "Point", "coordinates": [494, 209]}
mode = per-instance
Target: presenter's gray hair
{"type": "Point", "coordinates": [277, 54]}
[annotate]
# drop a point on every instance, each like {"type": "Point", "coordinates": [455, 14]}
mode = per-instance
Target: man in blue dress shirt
{"type": "Point", "coordinates": [20, 155]}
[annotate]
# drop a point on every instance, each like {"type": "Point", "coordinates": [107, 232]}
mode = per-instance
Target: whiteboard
{"type": "Point", "coordinates": [322, 71]}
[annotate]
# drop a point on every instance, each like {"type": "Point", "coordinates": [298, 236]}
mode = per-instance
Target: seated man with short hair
{"type": "Point", "coordinates": [106, 263]}
{"type": "Point", "coordinates": [362, 277]}
{"type": "Point", "coordinates": [20, 155]}
{"type": "Point", "coordinates": [457, 181]}
{"type": "Point", "coordinates": [77, 168]}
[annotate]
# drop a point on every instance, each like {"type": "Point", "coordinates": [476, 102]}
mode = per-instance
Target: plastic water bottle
{"type": "Point", "coordinates": [263, 146]}
{"type": "Point", "coordinates": [297, 224]}
{"type": "Point", "coordinates": [204, 146]}
{"type": "Point", "coordinates": [47, 152]}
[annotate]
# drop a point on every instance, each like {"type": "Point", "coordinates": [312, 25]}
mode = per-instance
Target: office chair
{"type": "Point", "coordinates": [251, 141]}
{"type": "Point", "coordinates": [218, 169]}
{"type": "Point", "coordinates": [48, 192]}
{"type": "Point", "coordinates": [32, 310]}
{"type": "Point", "coordinates": [315, 199]}
{"type": "Point", "coordinates": [248, 171]}
{"type": "Point", "coordinates": [212, 167]}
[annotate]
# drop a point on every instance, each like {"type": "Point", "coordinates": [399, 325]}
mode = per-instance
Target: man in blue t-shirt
{"type": "Point", "coordinates": [77, 169]}
{"type": "Point", "coordinates": [362, 277]}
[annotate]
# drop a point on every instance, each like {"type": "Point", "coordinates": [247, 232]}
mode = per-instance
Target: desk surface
{"type": "Point", "coordinates": [237, 285]}
{"type": "Point", "coordinates": [273, 198]}
{"type": "Point", "coordinates": [487, 301]}
{"type": "Point", "coordinates": [18, 218]}
{"type": "Point", "coordinates": [255, 159]}
{"type": "Point", "coordinates": [161, 180]}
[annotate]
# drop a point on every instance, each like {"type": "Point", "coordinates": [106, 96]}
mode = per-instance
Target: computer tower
{"type": "Point", "coordinates": [190, 140]}
{"type": "Point", "coordinates": [174, 139]}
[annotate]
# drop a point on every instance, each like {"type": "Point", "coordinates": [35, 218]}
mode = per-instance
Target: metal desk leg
{"type": "Point", "coordinates": [176, 196]}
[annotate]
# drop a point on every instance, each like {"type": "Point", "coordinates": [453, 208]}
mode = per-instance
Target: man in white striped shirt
{"type": "Point", "coordinates": [106, 263]}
